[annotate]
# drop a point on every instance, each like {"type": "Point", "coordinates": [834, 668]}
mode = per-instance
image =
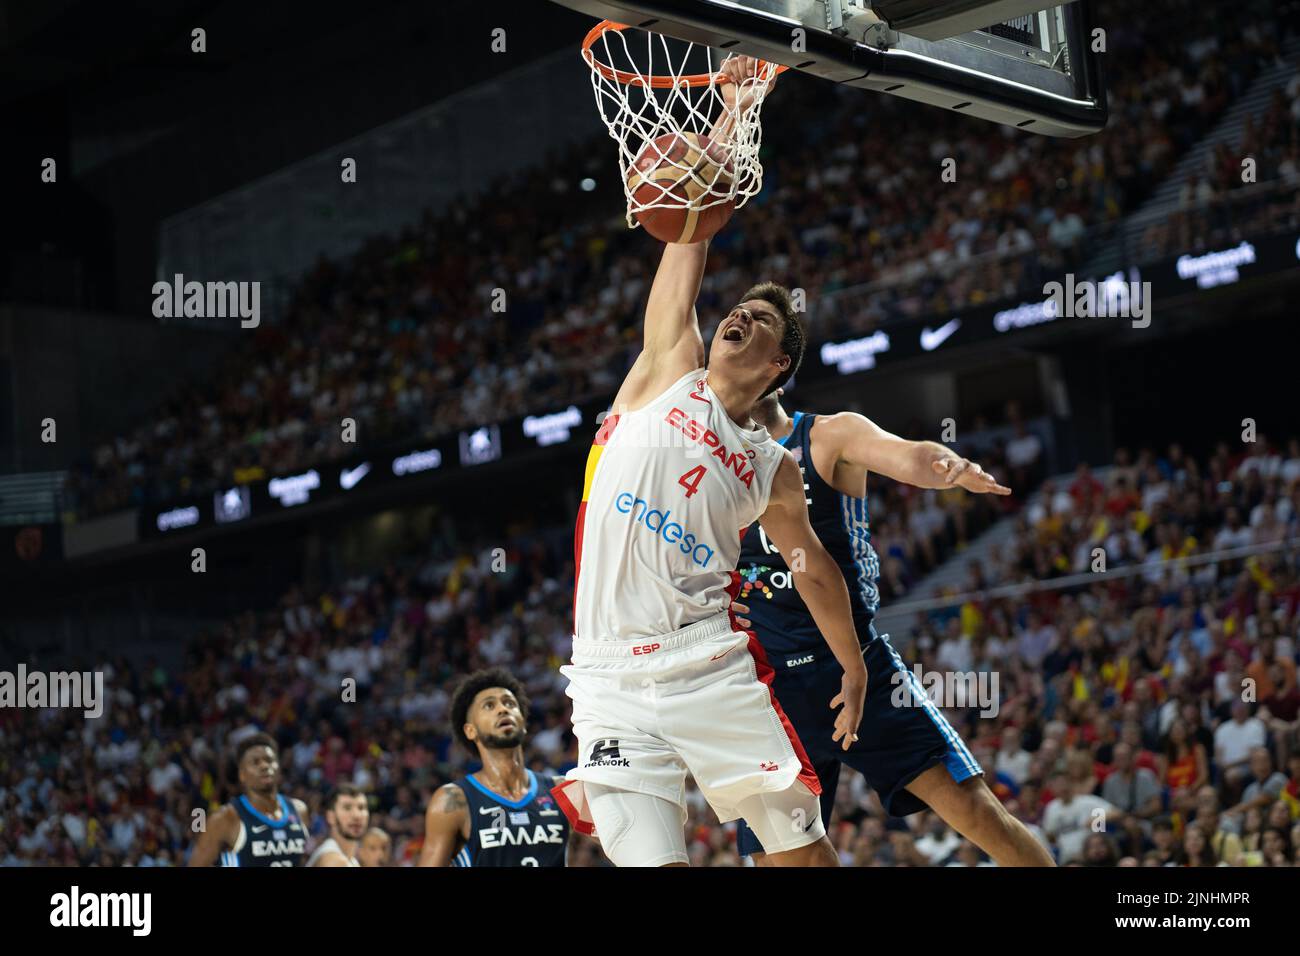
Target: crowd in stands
{"type": "Point", "coordinates": [1249, 184]}
{"type": "Point", "coordinates": [402, 338]}
{"type": "Point", "coordinates": [1161, 695]}
{"type": "Point", "coordinates": [1164, 694]}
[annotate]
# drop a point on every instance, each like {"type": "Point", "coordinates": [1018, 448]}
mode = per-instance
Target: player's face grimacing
{"type": "Point", "coordinates": [259, 771]}
{"type": "Point", "coordinates": [751, 331]}
{"type": "Point", "coordinates": [351, 816]}
{"type": "Point", "coordinates": [495, 719]}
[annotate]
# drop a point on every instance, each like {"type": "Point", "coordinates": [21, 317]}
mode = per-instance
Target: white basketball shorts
{"type": "Point", "coordinates": [698, 700]}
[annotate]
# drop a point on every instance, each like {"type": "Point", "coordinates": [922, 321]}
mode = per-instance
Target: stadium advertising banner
{"type": "Point", "coordinates": [394, 468]}
{"type": "Point", "coordinates": [1120, 295]}
{"type": "Point", "coordinates": [240, 504]}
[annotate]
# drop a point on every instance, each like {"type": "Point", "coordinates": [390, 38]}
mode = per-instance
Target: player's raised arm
{"type": "Point", "coordinates": [446, 825]}
{"type": "Point", "coordinates": [671, 340]}
{"type": "Point", "coordinates": [819, 582]}
{"type": "Point", "coordinates": [860, 442]}
{"type": "Point", "coordinates": [672, 344]}
{"type": "Point", "coordinates": [672, 328]}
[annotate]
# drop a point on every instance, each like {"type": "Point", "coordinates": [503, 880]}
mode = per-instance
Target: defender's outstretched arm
{"type": "Point", "coordinates": [859, 441]}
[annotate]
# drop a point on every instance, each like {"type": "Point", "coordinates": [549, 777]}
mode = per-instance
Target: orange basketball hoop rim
{"type": "Point", "coordinates": [656, 82]}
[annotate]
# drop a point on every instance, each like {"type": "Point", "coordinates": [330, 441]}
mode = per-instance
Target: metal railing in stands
{"type": "Point", "coordinates": [1087, 577]}
{"type": "Point", "coordinates": [33, 497]}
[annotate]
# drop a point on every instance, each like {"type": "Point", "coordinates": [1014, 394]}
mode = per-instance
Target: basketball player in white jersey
{"type": "Point", "coordinates": [348, 816]}
{"type": "Point", "coordinates": [664, 681]}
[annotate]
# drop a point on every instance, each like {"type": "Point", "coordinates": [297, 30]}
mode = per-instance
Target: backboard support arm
{"type": "Point", "coordinates": [1056, 92]}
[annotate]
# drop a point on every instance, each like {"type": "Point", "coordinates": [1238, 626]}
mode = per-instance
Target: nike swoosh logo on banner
{"type": "Point", "coordinates": [349, 478]}
{"type": "Point", "coordinates": [932, 340]}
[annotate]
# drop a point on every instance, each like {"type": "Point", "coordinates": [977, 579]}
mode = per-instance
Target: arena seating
{"type": "Point", "coordinates": [1141, 669]}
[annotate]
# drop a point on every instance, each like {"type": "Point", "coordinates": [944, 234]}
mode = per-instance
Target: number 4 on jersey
{"type": "Point", "coordinates": [691, 480]}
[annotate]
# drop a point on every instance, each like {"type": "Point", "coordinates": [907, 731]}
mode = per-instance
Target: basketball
{"type": "Point", "coordinates": [693, 176]}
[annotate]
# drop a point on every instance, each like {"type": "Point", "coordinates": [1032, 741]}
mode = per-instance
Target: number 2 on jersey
{"type": "Point", "coordinates": [691, 480]}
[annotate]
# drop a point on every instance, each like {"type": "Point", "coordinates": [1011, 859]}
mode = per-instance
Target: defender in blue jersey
{"type": "Point", "coordinates": [504, 814]}
{"type": "Point", "coordinates": [910, 755]}
{"type": "Point", "coordinates": [261, 827]}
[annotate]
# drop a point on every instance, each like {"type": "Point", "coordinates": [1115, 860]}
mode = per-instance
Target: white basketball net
{"type": "Point", "coordinates": [644, 91]}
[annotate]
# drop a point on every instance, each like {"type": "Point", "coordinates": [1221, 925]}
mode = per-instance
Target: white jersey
{"type": "Point", "coordinates": [331, 845]}
{"type": "Point", "coordinates": [669, 490]}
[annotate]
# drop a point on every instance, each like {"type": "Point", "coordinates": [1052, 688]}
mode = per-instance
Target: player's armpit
{"type": "Point", "coordinates": [637, 385]}
{"type": "Point", "coordinates": [445, 825]}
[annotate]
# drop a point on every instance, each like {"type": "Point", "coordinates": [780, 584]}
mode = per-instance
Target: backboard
{"type": "Point", "coordinates": [1022, 63]}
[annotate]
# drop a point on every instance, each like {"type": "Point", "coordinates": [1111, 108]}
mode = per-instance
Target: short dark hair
{"type": "Point", "coordinates": [471, 687]}
{"type": "Point", "coordinates": [342, 790]}
{"type": "Point", "coordinates": [793, 340]}
{"type": "Point", "coordinates": [256, 740]}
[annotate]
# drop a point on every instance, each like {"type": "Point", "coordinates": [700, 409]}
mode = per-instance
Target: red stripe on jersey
{"type": "Point", "coordinates": [733, 592]}
{"type": "Point", "coordinates": [807, 775]}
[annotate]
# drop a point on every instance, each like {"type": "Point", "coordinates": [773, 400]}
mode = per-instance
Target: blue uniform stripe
{"type": "Point", "coordinates": [794, 429]}
{"type": "Point", "coordinates": [857, 529]}
{"type": "Point", "coordinates": [872, 560]}
{"type": "Point", "coordinates": [519, 804]}
{"type": "Point", "coordinates": [956, 746]}
{"type": "Point", "coordinates": [287, 812]}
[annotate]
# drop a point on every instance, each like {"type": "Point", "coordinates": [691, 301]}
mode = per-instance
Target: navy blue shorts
{"type": "Point", "coordinates": [895, 744]}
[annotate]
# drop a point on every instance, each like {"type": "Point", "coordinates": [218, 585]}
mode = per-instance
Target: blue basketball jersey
{"type": "Point", "coordinates": [530, 831]}
{"type": "Point", "coordinates": [264, 841]}
{"type": "Point", "coordinates": [782, 621]}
